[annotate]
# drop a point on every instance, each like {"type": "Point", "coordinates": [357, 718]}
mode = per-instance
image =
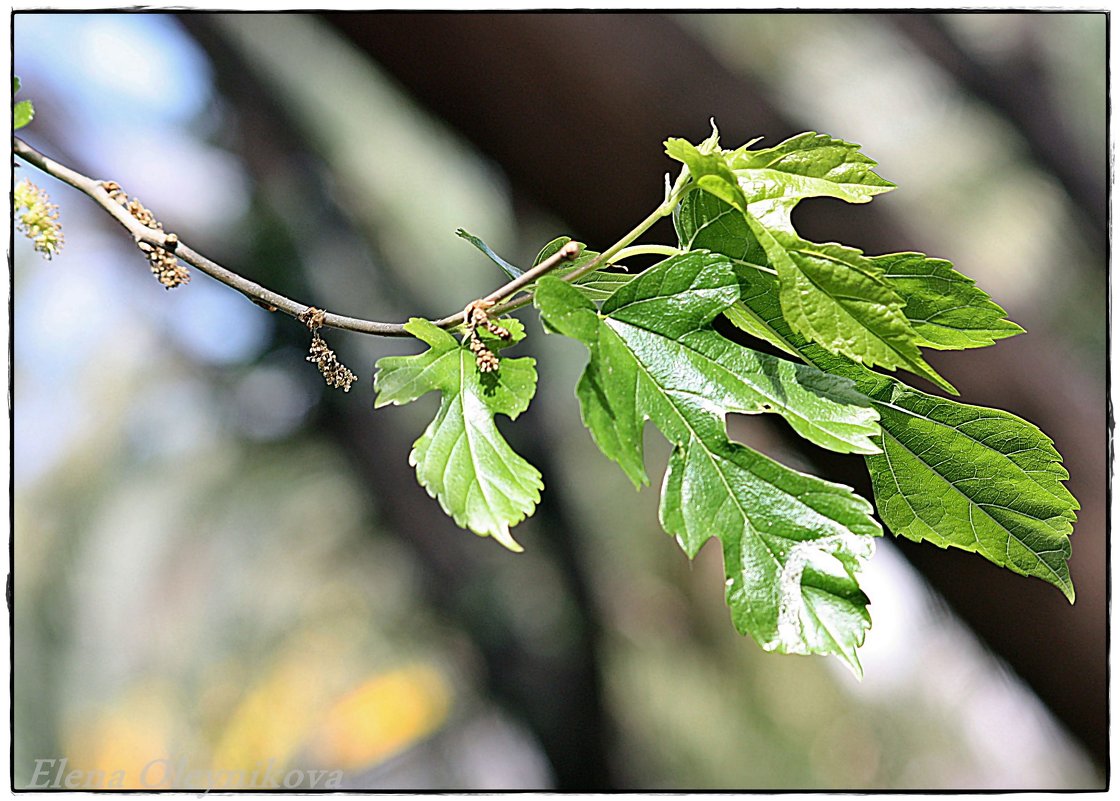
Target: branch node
{"type": "Point", "coordinates": [114, 191]}
{"type": "Point", "coordinates": [313, 318]}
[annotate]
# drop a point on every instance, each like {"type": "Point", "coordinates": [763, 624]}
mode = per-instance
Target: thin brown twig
{"type": "Point", "coordinates": [569, 251]}
{"type": "Point", "coordinates": [252, 290]}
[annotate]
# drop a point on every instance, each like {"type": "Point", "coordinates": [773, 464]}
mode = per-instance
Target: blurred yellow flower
{"type": "Point", "coordinates": [114, 747]}
{"type": "Point", "coordinates": [382, 717]}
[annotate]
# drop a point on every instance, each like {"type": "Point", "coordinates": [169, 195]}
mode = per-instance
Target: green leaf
{"type": "Point", "coordinates": [584, 256]}
{"type": "Point", "coordinates": [948, 311]}
{"type": "Point", "coordinates": [807, 165]}
{"type": "Point", "coordinates": [22, 113]}
{"type": "Point", "coordinates": [554, 246]}
{"type": "Point", "coordinates": [792, 543]}
{"type": "Point", "coordinates": [15, 84]}
{"type": "Point", "coordinates": [746, 320]}
{"type": "Point", "coordinates": [830, 293]}
{"type": "Point", "coordinates": [704, 222]}
{"type": "Point", "coordinates": [687, 355]}
{"type": "Point", "coordinates": [836, 297]}
{"type": "Point", "coordinates": [952, 474]}
{"type": "Point", "coordinates": [709, 171]}
{"type": "Point", "coordinates": [461, 458]}
{"type": "Point", "coordinates": [978, 479]}
{"type": "Point", "coordinates": [511, 270]}
{"type": "Point", "coordinates": [768, 183]}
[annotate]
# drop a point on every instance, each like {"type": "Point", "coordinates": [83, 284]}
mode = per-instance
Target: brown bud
{"type": "Point", "coordinates": [570, 250]}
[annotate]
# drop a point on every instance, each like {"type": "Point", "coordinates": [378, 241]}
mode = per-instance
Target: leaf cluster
{"type": "Point", "coordinates": [942, 472]}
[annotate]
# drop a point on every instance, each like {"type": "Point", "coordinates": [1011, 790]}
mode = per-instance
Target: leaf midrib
{"type": "Point", "coordinates": [850, 188]}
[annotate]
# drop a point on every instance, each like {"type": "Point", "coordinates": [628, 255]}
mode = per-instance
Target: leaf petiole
{"type": "Point", "coordinates": [645, 250]}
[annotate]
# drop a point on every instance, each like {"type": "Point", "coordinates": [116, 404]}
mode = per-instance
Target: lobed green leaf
{"type": "Point", "coordinates": [829, 293]}
{"type": "Point", "coordinates": [946, 309]}
{"type": "Point", "coordinates": [792, 543]}
{"type": "Point", "coordinates": [807, 165]}
{"type": "Point", "coordinates": [462, 459]}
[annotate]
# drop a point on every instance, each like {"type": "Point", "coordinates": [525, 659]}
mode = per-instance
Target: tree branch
{"type": "Point", "coordinates": [260, 295]}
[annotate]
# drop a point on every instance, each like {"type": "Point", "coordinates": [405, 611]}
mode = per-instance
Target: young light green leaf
{"type": "Point", "coordinates": [956, 475]}
{"type": "Point", "coordinates": [22, 113]}
{"type": "Point", "coordinates": [807, 165]}
{"type": "Point", "coordinates": [947, 309]}
{"type": "Point", "coordinates": [511, 270]}
{"type": "Point", "coordinates": [461, 458]}
{"type": "Point", "coordinates": [836, 297]}
{"type": "Point", "coordinates": [709, 171]}
{"type": "Point", "coordinates": [704, 222]}
{"type": "Point", "coordinates": [792, 543]}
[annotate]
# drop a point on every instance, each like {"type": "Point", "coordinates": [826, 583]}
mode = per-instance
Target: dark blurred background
{"type": "Point", "coordinates": [221, 561]}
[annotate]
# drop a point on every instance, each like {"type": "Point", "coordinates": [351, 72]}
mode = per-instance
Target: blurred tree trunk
{"type": "Point", "coordinates": [573, 107]}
